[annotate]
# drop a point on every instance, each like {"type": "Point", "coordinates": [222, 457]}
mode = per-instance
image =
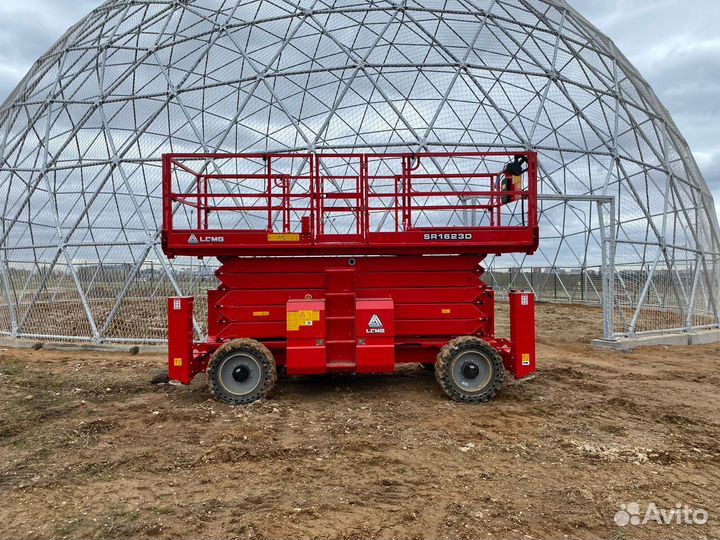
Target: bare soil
{"type": "Point", "coordinates": [90, 449]}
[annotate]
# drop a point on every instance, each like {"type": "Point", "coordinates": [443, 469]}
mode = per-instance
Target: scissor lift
{"type": "Point", "coordinates": [350, 263]}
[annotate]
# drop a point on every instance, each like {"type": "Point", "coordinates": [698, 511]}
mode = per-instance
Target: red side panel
{"type": "Point", "coordinates": [306, 337]}
{"type": "Point", "coordinates": [375, 330]}
{"type": "Point", "coordinates": [180, 338]}
{"type": "Point", "coordinates": [433, 297]}
{"type": "Point", "coordinates": [522, 333]}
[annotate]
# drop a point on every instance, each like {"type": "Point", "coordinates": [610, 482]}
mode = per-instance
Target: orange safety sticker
{"type": "Point", "coordinates": [305, 317]}
{"type": "Point", "coordinates": [526, 359]}
{"type": "Point", "coordinates": [261, 313]}
{"type": "Point", "coordinates": [283, 237]}
{"type": "Point", "coordinates": [178, 362]}
{"type": "Point", "coordinates": [446, 311]}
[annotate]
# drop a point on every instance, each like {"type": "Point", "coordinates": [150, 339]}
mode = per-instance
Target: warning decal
{"type": "Point", "coordinates": [287, 237]}
{"type": "Point", "coordinates": [525, 359]}
{"type": "Point", "coordinates": [305, 317]}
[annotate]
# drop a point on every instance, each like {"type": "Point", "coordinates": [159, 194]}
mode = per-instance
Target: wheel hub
{"type": "Point", "coordinates": [470, 371]}
{"type": "Point", "coordinates": [241, 374]}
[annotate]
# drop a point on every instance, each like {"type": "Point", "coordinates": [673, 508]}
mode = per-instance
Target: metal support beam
{"type": "Point", "coordinates": [608, 234]}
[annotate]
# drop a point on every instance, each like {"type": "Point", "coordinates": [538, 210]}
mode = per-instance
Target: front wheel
{"type": "Point", "coordinates": [241, 371]}
{"type": "Point", "coordinates": [469, 369]}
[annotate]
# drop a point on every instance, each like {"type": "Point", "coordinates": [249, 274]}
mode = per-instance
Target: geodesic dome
{"type": "Point", "coordinates": [626, 215]}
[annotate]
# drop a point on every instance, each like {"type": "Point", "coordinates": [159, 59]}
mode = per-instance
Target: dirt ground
{"type": "Point", "coordinates": [88, 448]}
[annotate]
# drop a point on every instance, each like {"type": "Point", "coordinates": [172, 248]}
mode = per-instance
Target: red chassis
{"type": "Point", "coordinates": [350, 263]}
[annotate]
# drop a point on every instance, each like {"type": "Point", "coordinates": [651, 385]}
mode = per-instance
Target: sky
{"type": "Point", "coordinates": [671, 42]}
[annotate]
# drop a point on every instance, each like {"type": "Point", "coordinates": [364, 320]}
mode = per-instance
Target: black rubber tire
{"type": "Point", "coordinates": [430, 366]}
{"type": "Point", "coordinates": [444, 369]}
{"type": "Point", "coordinates": [264, 359]}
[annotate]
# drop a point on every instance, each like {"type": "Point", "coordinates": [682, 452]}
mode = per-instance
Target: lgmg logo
{"type": "Point", "coordinates": [375, 326]}
{"type": "Point", "coordinates": [682, 514]}
{"type": "Point", "coordinates": [192, 239]}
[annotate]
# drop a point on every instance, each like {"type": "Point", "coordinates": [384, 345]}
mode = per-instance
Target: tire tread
{"type": "Point", "coordinates": [443, 374]}
{"type": "Point", "coordinates": [261, 352]}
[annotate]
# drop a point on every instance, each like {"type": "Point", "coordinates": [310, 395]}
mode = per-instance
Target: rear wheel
{"type": "Point", "coordinates": [469, 369]}
{"type": "Point", "coordinates": [241, 371]}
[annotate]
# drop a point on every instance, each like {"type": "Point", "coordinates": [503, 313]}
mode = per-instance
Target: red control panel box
{"type": "Point", "coordinates": [306, 337]}
{"type": "Point", "coordinates": [375, 333]}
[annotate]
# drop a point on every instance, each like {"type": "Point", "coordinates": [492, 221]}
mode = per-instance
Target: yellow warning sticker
{"type": "Point", "coordinates": [178, 362]}
{"type": "Point", "coordinates": [526, 359]}
{"type": "Point", "coordinates": [305, 317]}
{"type": "Point", "coordinates": [445, 311]}
{"type": "Point", "coordinates": [283, 237]}
{"type": "Point", "coordinates": [261, 313]}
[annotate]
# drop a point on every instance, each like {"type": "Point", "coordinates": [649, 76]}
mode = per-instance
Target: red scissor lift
{"type": "Point", "coordinates": [350, 263]}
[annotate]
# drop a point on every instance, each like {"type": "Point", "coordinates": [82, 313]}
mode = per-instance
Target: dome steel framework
{"type": "Point", "coordinates": [627, 218]}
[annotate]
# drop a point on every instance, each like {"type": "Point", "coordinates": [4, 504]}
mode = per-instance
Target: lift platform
{"type": "Point", "coordinates": [350, 263]}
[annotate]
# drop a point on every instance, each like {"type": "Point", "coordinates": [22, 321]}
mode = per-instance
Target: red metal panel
{"type": "Point", "coordinates": [261, 331]}
{"type": "Point", "coordinates": [451, 328]}
{"type": "Point", "coordinates": [306, 337]}
{"type": "Point", "coordinates": [419, 263]}
{"type": "Point", "coordinates": [375, 330]}
{"type": "Point", "coordinates": [225, 243]}
{"type": "Point", "coordinates": [427, 301]}
{"type": "Point", "coordinates": [267, 297]}
{"type": "Point", "coordinates": [269, 280]}
{"type": "Point", "coordinates": [410, 295]}
{"type": "Point", "coordinates": [292, 265]}
{"type": "Point", "coordinates": [420, 278]}
{"type": "Point", "coordinates": [522, 333]}
{"type": "Point", "coordinates": [439, 312]}
{"type": "Point", "coordinates": [254, 314]}
{"type": "Point", "coordinates": [180, 338]}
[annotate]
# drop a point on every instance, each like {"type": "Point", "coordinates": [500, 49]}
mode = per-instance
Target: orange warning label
{"type": "Point", "coordinates": [305, 317]}
{"type": "Point", "coordinates": [283, 237]}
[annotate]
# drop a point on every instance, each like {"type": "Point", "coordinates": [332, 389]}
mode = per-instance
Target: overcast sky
{"type": "Point", "coordinates": [672, 42]}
